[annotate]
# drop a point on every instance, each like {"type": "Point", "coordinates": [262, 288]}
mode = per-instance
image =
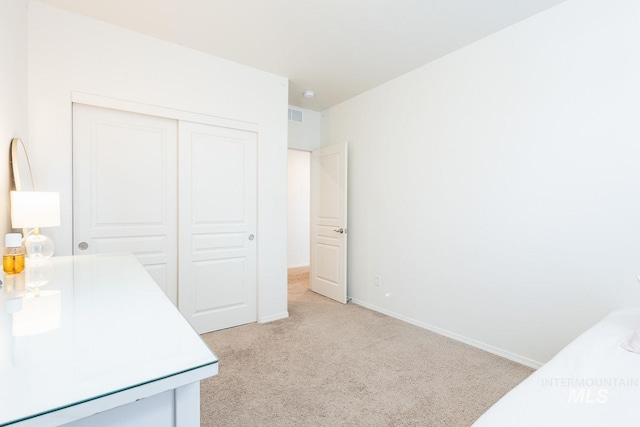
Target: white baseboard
{"type": "Point", "coordinates": [273, 317]}
{"type": "Point", "coordinates": [298, 265]}
{"type": "Point", "coordinates": [474, 343]}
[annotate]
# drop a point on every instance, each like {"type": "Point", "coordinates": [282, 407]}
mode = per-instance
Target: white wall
{"type": "Point", "coordinates": [70, 53]}
{"type": "Point", "coordinates": [496, 190]}
{"type": "Point", "coordinates": [298, 218]}
{"type": "Point", "coordinates": [307, 135]}
{"type": "Point", "coordinates": [13, 94]}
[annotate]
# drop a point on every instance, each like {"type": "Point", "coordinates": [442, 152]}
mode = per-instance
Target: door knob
{"type": "Point", "coordinates": [339, 230]}
{"type": "Point", "coordinates": [83, 246]}
{"type": "Point", "coordinates": [251, 237]}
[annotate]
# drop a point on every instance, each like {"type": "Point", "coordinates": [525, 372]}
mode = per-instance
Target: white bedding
{"type": "Point", "coordinates": [591, 382]}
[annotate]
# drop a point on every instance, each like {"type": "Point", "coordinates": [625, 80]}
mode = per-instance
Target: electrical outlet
{"type": "Point", "coordinates": [377, 281]}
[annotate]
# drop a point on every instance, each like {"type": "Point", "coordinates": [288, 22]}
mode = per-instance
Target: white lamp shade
{"type": "Point", "coordinates": [35, 209]}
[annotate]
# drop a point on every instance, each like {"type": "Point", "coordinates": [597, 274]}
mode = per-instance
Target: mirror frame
{"type": "Point", "coordinates": [16, 143]}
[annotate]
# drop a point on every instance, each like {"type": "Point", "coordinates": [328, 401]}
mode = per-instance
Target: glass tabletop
{"type": "Point", "coordinates": [77, 328]}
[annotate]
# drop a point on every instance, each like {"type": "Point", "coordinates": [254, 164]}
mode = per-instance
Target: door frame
{"type": "Point", "coordinates": [311, 192]}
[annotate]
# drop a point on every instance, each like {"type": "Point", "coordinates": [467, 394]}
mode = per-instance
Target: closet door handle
{"type": "Point", "coordinates": [83, 246]}
{"type": "Point", "coordinates": [251, 237]}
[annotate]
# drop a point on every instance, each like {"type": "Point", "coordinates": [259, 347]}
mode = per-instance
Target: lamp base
{"type": "Point", "coordinates": [38, 246]}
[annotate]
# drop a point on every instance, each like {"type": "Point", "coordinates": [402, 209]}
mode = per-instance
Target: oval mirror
{"type": "Point", "coordinates": [22, 177]}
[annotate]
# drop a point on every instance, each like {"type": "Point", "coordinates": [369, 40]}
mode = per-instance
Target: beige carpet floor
{"type": "Point", "coordinates": [331, 364]}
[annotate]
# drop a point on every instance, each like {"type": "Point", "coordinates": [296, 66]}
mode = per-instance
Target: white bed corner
{"type": "Point", "coordinates": [591, 382]}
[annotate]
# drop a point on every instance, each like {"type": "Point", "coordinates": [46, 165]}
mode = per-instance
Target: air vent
{"type": "Point", "coordinates": [295, 115]}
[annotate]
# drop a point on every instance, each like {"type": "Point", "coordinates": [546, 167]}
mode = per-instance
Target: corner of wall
{"type": "Point", "coordinates": [13, 102]}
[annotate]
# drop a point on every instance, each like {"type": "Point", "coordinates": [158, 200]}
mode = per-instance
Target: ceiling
{"type": "Point", "coordinates": [336, 48]}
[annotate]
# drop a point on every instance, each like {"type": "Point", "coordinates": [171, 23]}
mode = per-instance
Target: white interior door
{"type": "Point", "coordinates": [125, 188]}
{"type": "Point", "coordinates": [218, 202]}
{"type": "Point", "coordinates": [329, 221]}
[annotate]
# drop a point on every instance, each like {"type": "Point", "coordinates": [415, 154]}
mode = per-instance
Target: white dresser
{"type": "Point", "coordinates": [92, 340]}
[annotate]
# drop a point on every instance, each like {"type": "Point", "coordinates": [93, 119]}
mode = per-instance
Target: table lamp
{"type": "Point", "coordinates": [35, 210]}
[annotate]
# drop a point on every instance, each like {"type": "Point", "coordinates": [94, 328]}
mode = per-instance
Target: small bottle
{"type": "Point", "coordinates": [13, 254]}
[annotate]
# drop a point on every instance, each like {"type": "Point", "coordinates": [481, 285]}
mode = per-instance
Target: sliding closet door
{"type": "Point", "coordinates": [125, 188]}
{"type": "Point", "coordinates": [217, 249]}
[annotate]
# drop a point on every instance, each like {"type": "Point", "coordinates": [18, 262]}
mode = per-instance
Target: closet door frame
{"type": "Point", "coordinates": [178, 115]}
{"type": "Point", "coordinates": [152, 110]}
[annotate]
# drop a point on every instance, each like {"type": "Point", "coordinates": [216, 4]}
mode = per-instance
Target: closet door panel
{"type": "Point", "coordinates": [125, 188]}
{"type": "Point", "coordinates": [217, 198]}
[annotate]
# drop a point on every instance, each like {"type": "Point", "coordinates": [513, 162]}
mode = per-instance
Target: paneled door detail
{"type": "Point", "coordinates": [125, 188]}
{"type": "Point", "coordinates": [217, 242]}
{"type": "Point", "coordinates": [329, 221]}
